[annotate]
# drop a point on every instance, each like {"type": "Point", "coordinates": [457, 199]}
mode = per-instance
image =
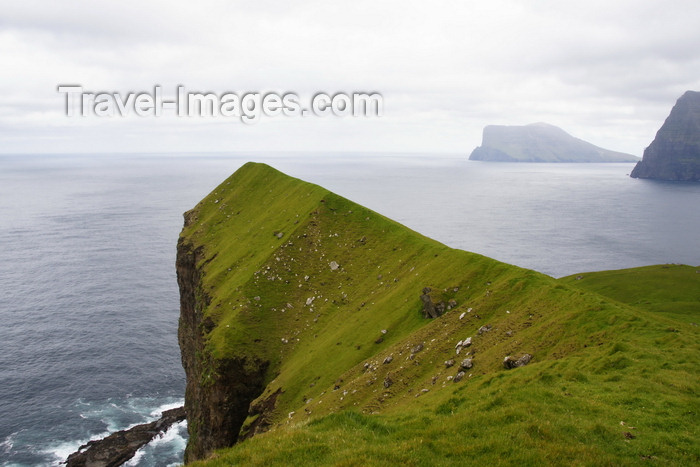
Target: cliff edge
{"type": "Point", "coordinates": [675, 152]}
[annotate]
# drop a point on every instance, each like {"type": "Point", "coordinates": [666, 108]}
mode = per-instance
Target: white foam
{"type": "Point", "coordinates": [171, 438]}
{"type": "Point", "coordinates": [136, 460]}
{"type": "Point", "coordinates": [61, 451]}
{"type": "Point", "coordinates": [6, 445]}
{"type": "Point", "coordinates": [110, 413]}
{"type": "Point", "coordinates": [172, 405]}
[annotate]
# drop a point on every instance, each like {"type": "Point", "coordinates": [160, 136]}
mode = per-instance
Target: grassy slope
{"type": "Point", "coordinates": [672, 290]}
{"type": "Point", "coordinates": [598, 362]}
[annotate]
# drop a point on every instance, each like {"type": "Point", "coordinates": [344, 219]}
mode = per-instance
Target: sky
{"type": "Point", "coordinates": [608, 72]}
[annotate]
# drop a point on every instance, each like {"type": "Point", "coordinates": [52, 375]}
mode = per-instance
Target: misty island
{"type": "Point", "coordinates": [315, 331]}
{"type": "Point", "coordinates": [540, 142]}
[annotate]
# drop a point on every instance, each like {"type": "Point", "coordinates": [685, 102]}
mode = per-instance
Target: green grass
{"type": "Point", "coordinates": [670, 289]}
{"type": "Point", "coordinates": [552, 413]}
{"type": "Point", "coordinates": [608, 348]}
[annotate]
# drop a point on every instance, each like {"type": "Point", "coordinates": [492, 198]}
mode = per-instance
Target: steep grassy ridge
{"type": "Point", "coordinates": [328, 295]}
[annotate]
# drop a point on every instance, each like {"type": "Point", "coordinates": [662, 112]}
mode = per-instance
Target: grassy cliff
{"type": "Point", "coordinates": [302, 324]}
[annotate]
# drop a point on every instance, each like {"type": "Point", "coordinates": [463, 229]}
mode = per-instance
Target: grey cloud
{"type": "Point", "coordinates": [602, 68]}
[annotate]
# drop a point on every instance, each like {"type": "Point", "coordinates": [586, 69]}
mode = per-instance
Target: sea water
{"type": "Point", "coordinates": [88, 295]}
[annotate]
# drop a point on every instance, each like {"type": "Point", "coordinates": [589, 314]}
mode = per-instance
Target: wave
{"type": "Point", "coordinates": [96, 420]}
{"type": "Point", "coordinates": [167, 447]}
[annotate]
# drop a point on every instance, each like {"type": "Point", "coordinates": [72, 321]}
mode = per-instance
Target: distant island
{"type": "Point", "coordinates": [675, 152]}
{"type": "Point", "coordinates": [540, 142]}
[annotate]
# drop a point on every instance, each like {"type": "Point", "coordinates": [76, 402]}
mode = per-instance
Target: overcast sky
{"type": "Point", "coordinates": [605, 71]}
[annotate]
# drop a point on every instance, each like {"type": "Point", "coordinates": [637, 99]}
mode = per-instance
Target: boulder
{"type": "Point", "coordinates": [388, 382]}
{"type": "Point", "coordinates": [512, 362]}
{"type": "Point", "coordinates": [466, 364]}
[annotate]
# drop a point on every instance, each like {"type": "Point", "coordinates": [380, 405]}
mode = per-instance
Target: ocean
{"type": "Point", "coordinates": [88, 297]}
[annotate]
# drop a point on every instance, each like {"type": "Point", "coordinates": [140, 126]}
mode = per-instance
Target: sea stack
{"type": "Point", "coordinates": [675, 152]}
{"type": "Point", "coordinates": [540, 142]}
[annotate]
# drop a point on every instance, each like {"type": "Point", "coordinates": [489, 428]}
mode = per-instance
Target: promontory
{"type": "Point", "coordinates": [316, 332]}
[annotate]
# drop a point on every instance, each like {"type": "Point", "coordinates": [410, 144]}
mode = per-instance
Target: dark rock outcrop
{"type": "Point", "coordinates": [260, 409]}
{"type": "Point", "coordinates": [121, 446]}
{"type": "Point", "coordinates": [675, 152]}
{"type": "Point", "coordinates": [540, 142]}
{"type": "Point", "coordinates": [388, 382]}
{"type": "Point", "coordinates": [218, 392]}
{"type": "Point", "coordinates": [430, 308]}
{"type": "Point", "coordinates": [512, 362]}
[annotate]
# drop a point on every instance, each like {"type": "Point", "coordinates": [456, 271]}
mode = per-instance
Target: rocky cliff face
{"type": "Point", "coordinates": [219, 391]}
{"type": "Point", "coordinates": [229, 334]}
{"type": "Point", "coordinates": [675, 152]}
{"type": "Point", "coordinates": [540, 142]}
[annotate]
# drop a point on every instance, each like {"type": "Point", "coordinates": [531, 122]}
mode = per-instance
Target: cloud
{"type": "Point", "coordinates": [608, 72]}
